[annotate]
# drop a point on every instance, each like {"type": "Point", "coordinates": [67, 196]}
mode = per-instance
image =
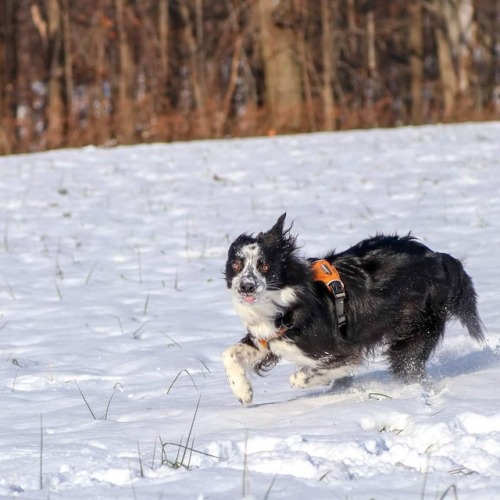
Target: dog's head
{"type": "Point", "coordinates": [257, 265]}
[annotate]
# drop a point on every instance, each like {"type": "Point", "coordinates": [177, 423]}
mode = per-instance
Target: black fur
{"type": "Point", "coordinates": [400, 294]}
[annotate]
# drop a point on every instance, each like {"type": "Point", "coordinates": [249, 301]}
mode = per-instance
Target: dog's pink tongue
{"type": "Point", "coordinates": [249, 299]}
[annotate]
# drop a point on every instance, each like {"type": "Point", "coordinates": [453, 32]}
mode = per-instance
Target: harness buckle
{"type": "Point", "coordinates": [337, 288]}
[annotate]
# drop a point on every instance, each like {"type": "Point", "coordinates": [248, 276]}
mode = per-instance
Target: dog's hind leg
{"type": "Point", "coordinates": [314, 377]}
{"type": "Point", "coordinates": [238, 360]}
{"type": "Point", "coordinates": [409, 355]}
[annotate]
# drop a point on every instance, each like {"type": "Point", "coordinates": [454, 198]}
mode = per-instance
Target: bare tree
{"type": "Point", "coordinates": [371, 63]}
{"type": "Point", "coordinates": [329, 61]}
{"type": "Point", "coordinates": [163, 31]}
{"type": "Point", "coordinates": [125, 77]}
{"type": "Point", "coordinates": [455, 35]}
{"type": "Point", "coordinates": [352, 29]}
{"type": "Point", "coordinates": [8, 66]}
{"type": "Point", "coordinates": [195, 65]}
{"type": "Point", "coordinates": [98, 100]}
{"type": "Point", "coordinates": [55, 103]}
{"type": "Point", "coordinates": [283, 85]}
{"type": "Point", "coordinates": [416, 53]}
{"type": "Point", "coordinates": [68, 65]}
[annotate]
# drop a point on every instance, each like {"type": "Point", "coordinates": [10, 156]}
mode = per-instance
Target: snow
{"type": "Point", "coordinates": [112, 305]}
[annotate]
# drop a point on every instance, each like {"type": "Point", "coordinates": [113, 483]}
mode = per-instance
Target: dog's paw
{"type": "Point", "coordinates": [242, 389]}
{"type": "Point", "coordinates": [301, 379]}
{"type": "Point", "coordinates": [235, 371]}
{"type": "Point", "coordinates": [315, 377]}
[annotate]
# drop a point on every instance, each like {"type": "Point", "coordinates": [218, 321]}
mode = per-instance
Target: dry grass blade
{"type": "Point", "coordinates": [378, 396]}
{"type": "Point", "coordinates": [41, 452]}
{"type": "Point", "coordinates": [452, 488]}
{"type": "Point", "coordinates": [86, 402]}
{"type": "Point", "coordinates": [177, 376]}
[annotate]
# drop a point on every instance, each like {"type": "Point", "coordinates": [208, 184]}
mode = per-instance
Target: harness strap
{"type": "Point", "coordinates": [323, 271]}
{"type": "Point", "coordinates": [279, 333]}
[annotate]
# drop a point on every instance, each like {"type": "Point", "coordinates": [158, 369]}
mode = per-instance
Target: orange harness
{"type": "Point", "coordinates": [322, 271]}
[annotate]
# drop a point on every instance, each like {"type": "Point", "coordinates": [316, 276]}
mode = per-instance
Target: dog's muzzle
{"type": "Point", "coordinates": [247, 290]}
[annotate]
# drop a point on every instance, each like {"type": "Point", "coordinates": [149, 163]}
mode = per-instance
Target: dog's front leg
{"type": "Point", "coordinates": [313, 377]}
{"type": "Point", "coordinates": [238, 360]}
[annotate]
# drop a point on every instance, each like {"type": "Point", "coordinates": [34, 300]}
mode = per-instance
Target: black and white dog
{"type": "Point", "coordinates": [386, 290]}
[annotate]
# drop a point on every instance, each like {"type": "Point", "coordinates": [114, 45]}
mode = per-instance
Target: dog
{"type": "Point", "coordinates": [326, 315]}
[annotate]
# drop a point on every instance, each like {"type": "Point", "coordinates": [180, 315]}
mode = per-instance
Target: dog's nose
{"type": "Point", "coordinates": [248, 287]}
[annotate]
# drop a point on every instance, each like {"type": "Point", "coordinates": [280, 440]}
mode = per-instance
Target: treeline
{"type": "Point", "coordinates": [125, 71]}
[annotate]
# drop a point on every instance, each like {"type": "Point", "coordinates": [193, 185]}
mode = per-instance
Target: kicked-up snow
{"type": "Point", "coordinates": [114, 315]}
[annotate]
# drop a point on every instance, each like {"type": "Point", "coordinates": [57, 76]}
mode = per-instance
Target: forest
{"type": "Point", "coordinates": [109, 72]}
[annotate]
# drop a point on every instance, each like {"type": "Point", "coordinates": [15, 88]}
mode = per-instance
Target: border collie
{"type": "Point", "coordinates": [387, 290]}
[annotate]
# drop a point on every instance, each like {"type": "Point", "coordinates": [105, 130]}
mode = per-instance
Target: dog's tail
{"type": "Point", "coordinates": [463, 302]}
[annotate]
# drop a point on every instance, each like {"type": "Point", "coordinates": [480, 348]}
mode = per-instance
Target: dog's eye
{"type": "Point", "coordinates": [236, 265]}
{"type": "Point", "coordinates": [264, 268]}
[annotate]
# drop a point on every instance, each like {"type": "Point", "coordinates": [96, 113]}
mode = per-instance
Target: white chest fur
{"type": "Point", "coordinates": [259, 317]}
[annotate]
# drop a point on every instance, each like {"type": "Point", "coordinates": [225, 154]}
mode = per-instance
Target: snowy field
{"type": "Point", "coordinates": [114, 314]}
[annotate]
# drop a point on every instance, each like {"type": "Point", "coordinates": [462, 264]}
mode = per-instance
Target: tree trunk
{"type": "Point", "coordinates": [199, 53]}
{"type": "Point", "coordinates": [352, 28]}
{"type": "Point", "coordinates": [68, 68]}
{"type": "Point", "coordinates": [100, 119]}
{"type": "Point", "coordinates": [305, 62]}
{"type": "Point", "coordinates": [495, 67]}
{"type": "Point", "coordinates": [196, 78]}
{"type": "Point", "coordinates": [228, 95]}
{"type": "Point", "coordinates": [455, 35]}
{"type": "Point", "coordinates": [463, 38]}
{"type": "Point", "coordinates": [446, 70]}
{"type": "Point", "coordinates": [371, 90]}
{"type": "Point", "coordinates": [283, 86]}
{"type": "Point", "coordinates": [416, 47]}
{"type": "Point", "coordinates": [8, 69]}
{"type": "Point", "coordinates": [163, 30]}
{"type": "Point", "coordinates": [55, 103]}
{"type": "Point", "coordinates": [329, 60]}
{"type": "Point", "coordinates": [4, 141]}
{"type": "Point", "coordinates": [125, 112]}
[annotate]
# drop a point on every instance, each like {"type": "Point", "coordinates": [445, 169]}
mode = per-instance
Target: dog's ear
{"type": "Point", "coordinates": [277, 229]}
{"type": "Point", "coordinates": [275, 234]}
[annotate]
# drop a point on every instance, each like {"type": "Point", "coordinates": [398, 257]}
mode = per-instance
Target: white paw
{"type": "Point", "coordinates": [241, 388]}
{"type": "Point", "coordinates": [300, 379]}
{"type": "Point", "coordinates": [235, 371]}
{"type": "Point", "coordinates": [315, 377]}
